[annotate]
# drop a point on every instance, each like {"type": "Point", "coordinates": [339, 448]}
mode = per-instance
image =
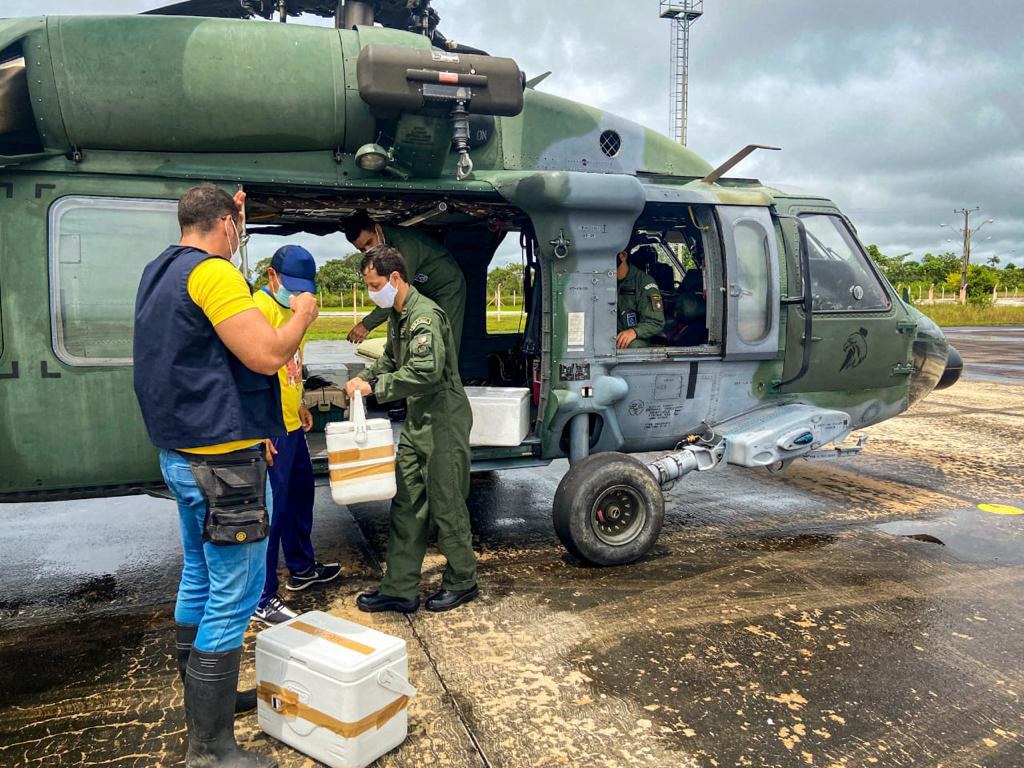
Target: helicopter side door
{"type": "Point", "coordinates": [752, 283]}
{"type": "Point", "coordinates": [861, 336]}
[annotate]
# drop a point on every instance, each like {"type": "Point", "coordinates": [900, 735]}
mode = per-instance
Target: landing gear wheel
{"type": "Point", "coordinates": [608, 509]}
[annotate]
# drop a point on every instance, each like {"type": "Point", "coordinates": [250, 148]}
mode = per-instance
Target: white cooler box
{"type": "Point", "coordinates": [361, 457]}
{"type": "Point", "coordinates": [501, 415]}
{"type": "Point", "coordinates": [333, 689]}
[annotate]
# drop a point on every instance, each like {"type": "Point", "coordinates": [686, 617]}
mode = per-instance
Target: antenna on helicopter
{"type": "Point", "coordinates": [725, 167]}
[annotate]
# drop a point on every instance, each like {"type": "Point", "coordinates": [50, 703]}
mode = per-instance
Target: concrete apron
{"type": "Point", "coordinates": [853, 614]}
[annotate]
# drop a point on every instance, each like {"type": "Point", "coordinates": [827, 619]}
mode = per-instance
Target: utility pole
{"type": "Point", "coordinates": [967, 234]}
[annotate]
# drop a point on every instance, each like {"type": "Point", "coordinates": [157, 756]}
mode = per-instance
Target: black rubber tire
{"type": "Point", "coordinates": [578, 494]}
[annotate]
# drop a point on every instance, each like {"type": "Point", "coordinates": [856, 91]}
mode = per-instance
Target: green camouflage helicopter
{"type": "Point", "coordinates": [780, 339]}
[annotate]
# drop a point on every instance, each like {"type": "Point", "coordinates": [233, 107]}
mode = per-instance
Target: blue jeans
{"type": "Point", "coordinates": [220, 584]}
{"type": "Point", "coordinates": [291, 478]}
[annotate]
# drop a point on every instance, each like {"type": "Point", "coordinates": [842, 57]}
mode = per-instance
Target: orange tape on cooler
{"type": "Point", "coordinates": [355, 473]}
{"type": "Point", "coordinates": [360, 454]}
{"type": "Point", "coordinates": [286, 703]}
{"type": "Point", "coordinates": [323, 634]}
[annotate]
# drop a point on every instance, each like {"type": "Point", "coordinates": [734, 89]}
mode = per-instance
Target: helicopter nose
{"type": "Point", "coordinates": [933, 357]}
{"type": "Point", "coordinates": [954, 367]}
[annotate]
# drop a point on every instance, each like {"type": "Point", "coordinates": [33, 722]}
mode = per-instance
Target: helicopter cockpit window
{"type": "Point", "coordinates": [98, 249]}
{"type": "Point", "coordinates": [841, 278]}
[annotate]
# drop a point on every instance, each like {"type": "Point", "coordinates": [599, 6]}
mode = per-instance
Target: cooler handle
{"type": "Point", "coordinates": [394, 682]}
{"type": "Point", "coordinates": [358, 417]}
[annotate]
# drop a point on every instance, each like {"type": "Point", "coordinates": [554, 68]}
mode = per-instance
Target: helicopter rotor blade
{"type": "Point", "coordinates": [410, 15]}
{"type": "Point", "coordinates": [218, 9]}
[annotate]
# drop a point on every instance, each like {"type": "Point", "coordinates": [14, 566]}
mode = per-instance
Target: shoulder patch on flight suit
{"type": "Point", "coordinates": [421, 345]}
{"type": "Point", "coordinates": [420, 278]}
{"type": "Point", "coordinates": [656, 301]}
{"type": "Point", "coordinates": [420, 322]}
{"type": "Point", "coordinates": [649, 286]}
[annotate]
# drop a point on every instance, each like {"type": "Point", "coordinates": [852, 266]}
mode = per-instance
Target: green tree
{"type": "Point", "coordinates": [980, 282]}
{"type": "Point", "coordinates": [337, 276]}
{"type": "Point", "coordinates": [1011, 276]}
{"type": "Point", "coordinates": [896, 268]}
{"type": "Point", "coordinates": [509, 279]}
{"type": "Point", "coordinates": [935, 269]}
{"type": "Point", "coordinates": [259, 273]}
{"type": "Point", "coordinates": [353, 260]}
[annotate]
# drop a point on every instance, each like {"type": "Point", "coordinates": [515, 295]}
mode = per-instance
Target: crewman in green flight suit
{"type": "Point", "coordinates": [641, 314]}
{"type": "Point", "coordinates": [432, 271]}
{"type": "Point", "coordinates": [432, 463]}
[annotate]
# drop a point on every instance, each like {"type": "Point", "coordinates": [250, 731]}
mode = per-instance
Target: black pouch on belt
{"type": "Point", "coordinates": [235, 487]}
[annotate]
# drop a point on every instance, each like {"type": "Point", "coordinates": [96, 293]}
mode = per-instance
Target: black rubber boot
{"type": "Point", "coordinates": [185, 635]}
{"type": "Point", "coordinates": [210, 682]}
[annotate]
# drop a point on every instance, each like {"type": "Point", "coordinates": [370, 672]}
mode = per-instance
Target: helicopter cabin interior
{"type": "Point", "coordinates": [677, 246]}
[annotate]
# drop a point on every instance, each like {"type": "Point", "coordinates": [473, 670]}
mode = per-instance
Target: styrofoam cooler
{"type": "Point", "coordinates": [501, 415]}
{"type": "Point", "coordinates": [361, 457]}
{"type": "Point", "coordinates": [333, 689]}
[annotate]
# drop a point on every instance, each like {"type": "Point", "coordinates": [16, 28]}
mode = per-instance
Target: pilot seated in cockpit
{"type": "Point", "coordinates": [641, 315]}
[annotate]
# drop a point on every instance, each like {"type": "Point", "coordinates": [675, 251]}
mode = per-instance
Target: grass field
{"type": "Point", "coordinates": [957, 314]}
{"type": "Point", "coordinates": [336, 328]}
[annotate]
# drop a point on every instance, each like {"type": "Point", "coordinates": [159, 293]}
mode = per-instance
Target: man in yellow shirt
{"type": "Point", "coordinates": [292, 271]}
{"type": "Point", "coordinates": [205, 369]}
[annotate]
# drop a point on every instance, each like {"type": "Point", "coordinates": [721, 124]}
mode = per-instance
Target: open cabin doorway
{"type": "Point", "coordinates": [480, 231]}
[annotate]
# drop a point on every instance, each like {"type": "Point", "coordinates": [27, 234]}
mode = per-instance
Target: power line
{"type": "Point", "coordinates": [967, 233]}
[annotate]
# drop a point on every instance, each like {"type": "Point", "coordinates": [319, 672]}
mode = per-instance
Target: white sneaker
{"type": "Point", "coordinates": [274, 612]}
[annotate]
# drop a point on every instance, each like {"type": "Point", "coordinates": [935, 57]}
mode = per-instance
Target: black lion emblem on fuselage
{"type": "Point", "coordinates": [856, 349]}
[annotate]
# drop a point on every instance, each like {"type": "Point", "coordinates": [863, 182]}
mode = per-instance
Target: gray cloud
{"type": "Point", "coordinates": [901, 112]}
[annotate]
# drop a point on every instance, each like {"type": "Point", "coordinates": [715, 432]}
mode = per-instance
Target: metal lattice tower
{"type": "Point", "coordinates": [682, 14]}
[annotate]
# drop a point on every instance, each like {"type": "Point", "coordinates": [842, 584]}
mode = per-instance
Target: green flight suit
{"type": "Point", "coordinates": [640, 307]}
{"type": "Point", "coordinates": [432, 465]}
{"type": "Point", "coordinates": [432, 271]}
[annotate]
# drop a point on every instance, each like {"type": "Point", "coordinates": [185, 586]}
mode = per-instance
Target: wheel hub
{"type": "Point", "coordinates": [618, 515]}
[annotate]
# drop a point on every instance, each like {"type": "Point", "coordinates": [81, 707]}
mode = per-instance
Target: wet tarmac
{"type": "Point", "coordinates": [991, 354]}
{"type": "Point", "coordinates": [859, 613]}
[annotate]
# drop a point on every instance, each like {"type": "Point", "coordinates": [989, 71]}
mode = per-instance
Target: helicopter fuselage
{"type": "Point", "coordinates": [105, 121]}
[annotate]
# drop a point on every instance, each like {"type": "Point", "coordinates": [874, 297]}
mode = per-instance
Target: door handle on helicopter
{"type": "Point", "coordinates": [736, 290]}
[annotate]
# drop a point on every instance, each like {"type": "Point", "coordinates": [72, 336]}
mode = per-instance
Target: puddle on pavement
{"type": "Point", "coordinates": [970, 535]}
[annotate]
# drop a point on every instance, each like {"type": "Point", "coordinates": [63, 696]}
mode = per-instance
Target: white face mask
{"type": "Point", "coordinates": [236, 254]}
{"type": "Point", "coordinates": [385, 297]}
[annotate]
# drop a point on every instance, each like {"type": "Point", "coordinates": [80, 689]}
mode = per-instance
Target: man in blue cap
{"type": "Point", "coordinates": [292, 271]}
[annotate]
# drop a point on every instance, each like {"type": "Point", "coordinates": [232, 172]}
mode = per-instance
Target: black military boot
{"type": "Point", "coordinates": [185, 635]}
{"type": "Point", "coordinates": [210, 682]}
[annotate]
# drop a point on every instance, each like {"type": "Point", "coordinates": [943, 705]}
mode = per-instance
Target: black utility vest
{"type": "Point", "coordinates": [192, 390]}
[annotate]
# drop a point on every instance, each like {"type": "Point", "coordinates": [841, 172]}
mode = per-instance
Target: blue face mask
{"type": "Point", "coordinates": [283, 297]}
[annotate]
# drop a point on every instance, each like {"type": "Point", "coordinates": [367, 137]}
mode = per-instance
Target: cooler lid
{"type": "Point", "coordinates": [335, 647]}
{"type": "Point", "coordinates": [345, 427]}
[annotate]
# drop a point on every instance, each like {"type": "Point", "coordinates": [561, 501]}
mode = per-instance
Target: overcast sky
{"type": "Point", "coordinates": [901, 112]}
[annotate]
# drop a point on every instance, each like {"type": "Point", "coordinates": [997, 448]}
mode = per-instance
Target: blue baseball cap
{"type": "Point", "coordinates": [296, 268]}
